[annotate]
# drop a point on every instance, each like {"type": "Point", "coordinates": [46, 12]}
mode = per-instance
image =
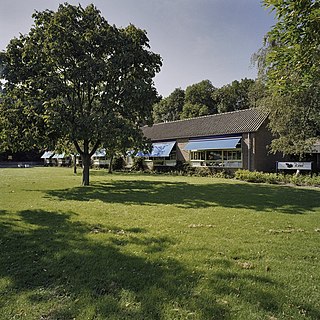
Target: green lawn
{"type": "Point", "coordinates": [156, 247]}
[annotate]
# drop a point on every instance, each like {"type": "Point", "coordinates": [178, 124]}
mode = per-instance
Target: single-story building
{"type": "Point", "coordinates": [232, 140]}
{"type": "Point", "coordinates": [47, 158]}
{"type": "Point", "coordinates": [56, 159]}
{"type": "Point", "coordinates": [61, 159]}
{"type": "Point", "coordinates": [100, 159]}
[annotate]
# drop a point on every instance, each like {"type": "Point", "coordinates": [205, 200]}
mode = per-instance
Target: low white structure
{"type": "Point", "coordinates": [47, 158]}
{"type": "Point", "coordinates": [55, 159]}
{"type": "Point", "coordinates": [99, 159]}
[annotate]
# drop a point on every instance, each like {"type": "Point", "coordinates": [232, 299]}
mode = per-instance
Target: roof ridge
{"type": "Point", "coordinates": [206, 116]}
{"type": "Point", "coordinates": [233, 122]}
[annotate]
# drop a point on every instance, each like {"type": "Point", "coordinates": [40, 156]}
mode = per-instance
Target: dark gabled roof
{"type": "Point", "coordinates": [235, 122]}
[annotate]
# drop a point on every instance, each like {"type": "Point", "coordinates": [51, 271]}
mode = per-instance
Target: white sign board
{"type": "Point", "coordinates": [294, 165]}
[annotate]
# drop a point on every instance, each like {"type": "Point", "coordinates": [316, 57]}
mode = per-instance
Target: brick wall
{"type": "Point", "coordinates": [264, 159]}
{"type": "Point", "coordinates": [182, 154]}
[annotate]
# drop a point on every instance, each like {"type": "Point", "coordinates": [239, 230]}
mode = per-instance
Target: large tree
{"type": "Point", "coordinates": [198, 100]}
{"type": "Point", "coordinates": [75, 77]}
{"type": "Point", "coordinates": [233, 96]}
{"type": "Point", "coordinates": [193, 110]}
{"type": "Point", "coordinates": [290, 64]}
{"type": "Point", "coordinates": [170, 108]}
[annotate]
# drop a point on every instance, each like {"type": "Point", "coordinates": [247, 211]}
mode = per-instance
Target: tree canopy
{"type": "Point", "coordinates": [234, 96]}
{"type": "Point", "coordinates": [77, 78]}
{"type": "Point", "coordinates": [195, 101]}
{"type": "Point", "coordinates": [170, 108]}
{"type": "Point", "coordinates": [198, 100]}
{"type": "Point", "coordinates": [203, 98]}
{"type": "Point", "coordinates": [289, 62]}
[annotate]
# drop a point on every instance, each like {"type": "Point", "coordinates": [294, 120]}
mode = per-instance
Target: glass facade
{"type": "Point", "coordinates": [217, 158]}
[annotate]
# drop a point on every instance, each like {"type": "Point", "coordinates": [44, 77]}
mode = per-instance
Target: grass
{"type": "Point", "coordinates": [156, 247]}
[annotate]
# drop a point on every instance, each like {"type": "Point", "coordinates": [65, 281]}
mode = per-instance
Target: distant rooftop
{"type": "Point", "coordinates": [235, 122]}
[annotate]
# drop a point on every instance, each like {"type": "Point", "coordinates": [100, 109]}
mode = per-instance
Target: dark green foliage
{"type": "Point", "coordinates": [170, 108]}
{"type": "Point", "coordinates": [198, 100]}
{"type": "Point", "coordinates": [183, 168]}
{"type": "Point", "coordinates": [234, 96]}
{"type": "Point", "coordinates": [273, 178]}
{"type": "Point", "coordinates": [257, 93]}
{"type": "Point", "coordinates": [290, 64]}
{"type": "Point", "coordinates": [138, 164]}
{"type": "Point", "coordinates": [76, 78]}
{"type": "Point", "coordinates": [191, 110]}
{"type": "Point", "coordinates": [180, 165]}
{"type": "Point", "coordinates": [201, 93]}
{"type": "Point", "coordinates": [294, 120]}
{"type": "Point", "coordinates": [255, 176]}
{"type": "Point", "coordinates": [118, 163]}
{"type": "Point", "coordinates": [202, 99]}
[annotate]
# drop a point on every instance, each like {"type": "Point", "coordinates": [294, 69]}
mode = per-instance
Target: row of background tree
{"type": "Point", "coordinates": [203, 98]}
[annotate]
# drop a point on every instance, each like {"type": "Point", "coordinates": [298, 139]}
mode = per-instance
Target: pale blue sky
{"type": "Point", "coordinates": [197, 39]}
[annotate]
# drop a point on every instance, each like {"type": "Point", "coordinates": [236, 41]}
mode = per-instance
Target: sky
{"type": "Point", "coordinates": [197, 39]}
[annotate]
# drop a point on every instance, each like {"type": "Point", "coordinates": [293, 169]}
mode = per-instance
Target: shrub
{"type": "Point", "coordinates": [179, 165]}
{"type": "Point", "coordinates": [118, 163]}
{"type": "Point", "coordinates": [138, 164]}
{"type": "Point", "coordinates": [224, 174]}
{"type": "Point", "coordinates": [184, 168]}
{"type": "Point", "coordinates": [305, 180]}
{"type": "Point", "coordinates": [250, 176]}
{"type": "Point", "coordinates": [273, 178]}
{"type": "Point", "coordinates": [314, 180]}
{"type": "Point", "coordinates": [202, 172]}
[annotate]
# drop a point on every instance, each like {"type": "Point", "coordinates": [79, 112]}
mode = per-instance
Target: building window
{"type": "Point", "coordinates": [198, 155]}
{"type": "Point", "coordinates": [233, 155]}
{"type": "Point", "coordinates": [169, 161]}
{"type": "Point", "coordinates": [217, 158]}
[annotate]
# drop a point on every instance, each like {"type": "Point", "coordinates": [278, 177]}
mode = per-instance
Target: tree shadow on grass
{"type": "Point", "coordinates": [60, 271]}
{"type": "Point", "coordinates": [66, 274]}
{"type": "Point", "coordinates": [230, 195]}
{"type": "Point", "coordinates": [262, 293]}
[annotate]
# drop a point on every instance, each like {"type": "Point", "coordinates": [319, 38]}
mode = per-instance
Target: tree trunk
{"type": "Point", "coordinates": [86, 169]}
{"type": "Point", "coordinates": [86, 159]}
{"type": "Point", "coordinates": [110, 165]}
{"type": "Point", "coordinates": [85, 163]}
{"type": "Point", "coordinates": [75, 164]}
